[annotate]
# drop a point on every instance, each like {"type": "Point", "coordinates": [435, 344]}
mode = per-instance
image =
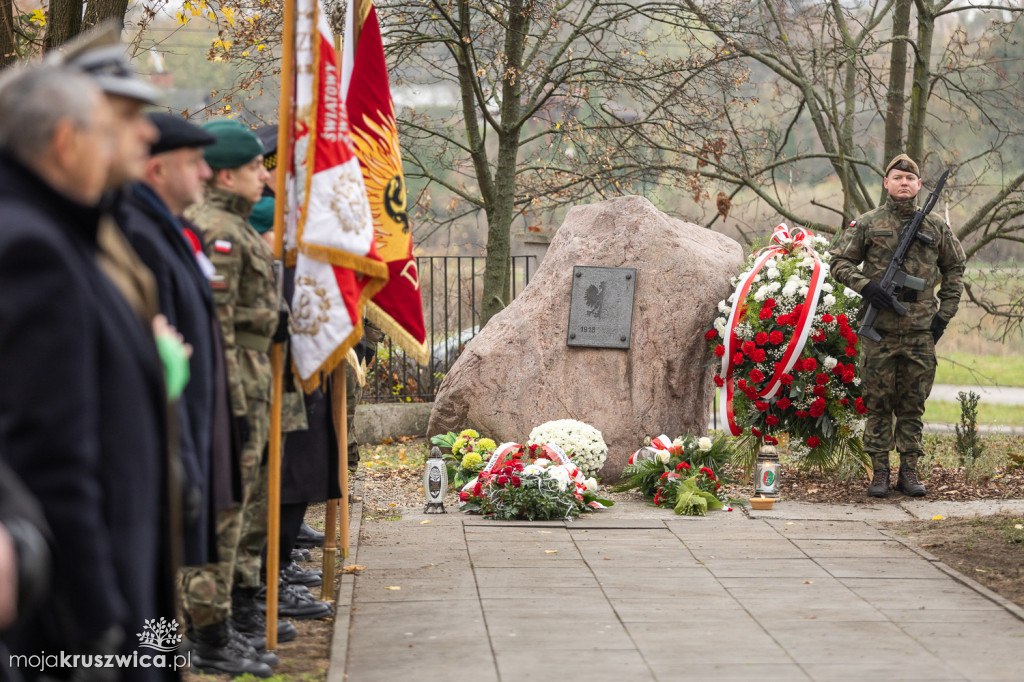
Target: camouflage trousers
{"type": "Point", "coordinates": [241, 534]}
{"type": "Point", "coordinates": [896, 375]}
{"type": "Point", "coordinates": [353, 394]}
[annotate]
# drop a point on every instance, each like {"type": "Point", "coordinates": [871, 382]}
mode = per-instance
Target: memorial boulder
{"type": "Point", "coordinates": [520, 371]}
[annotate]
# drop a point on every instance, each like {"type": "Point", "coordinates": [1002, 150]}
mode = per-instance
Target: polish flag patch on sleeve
{"type": "Point", "coordinates": [222, 246]}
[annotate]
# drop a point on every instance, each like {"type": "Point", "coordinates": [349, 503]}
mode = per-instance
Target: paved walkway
{"type": "Point", "coordinates": [1002, 395]}
{"type": "Point", "coordinates": [804, 592]}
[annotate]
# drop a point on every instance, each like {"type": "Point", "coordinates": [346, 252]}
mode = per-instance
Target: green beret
{"type": "Point", "coordinates": [236, 145]}
{"type": "Point", "coordinates": [262, 216]}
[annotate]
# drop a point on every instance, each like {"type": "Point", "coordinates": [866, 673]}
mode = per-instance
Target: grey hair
{"type": "Point", "coordinates": [34, 99]}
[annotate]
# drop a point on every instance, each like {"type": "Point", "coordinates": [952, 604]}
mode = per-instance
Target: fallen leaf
{"type": "Point", "coordinates": [544, 532]}
{"type": "Point", "coordinates": [352, 568]}
{"type": "Point", "coordinates": [392, 587]}
{"type": "Point", "coordinates": [931, 544]}
{"type": "Point", "coordinates": [808, 582]}
{"type": "Point", "coordinates": [812, 490]}
{"type": "Point", "coordinates": [551, 551]}
{"type": "Point", "coordinates": [938, 517]}
{"type": "Point", "coordinates": [789, 523]}
{"type": "Point", "coordinates": [981, 570]}
{"type": "Point", "coordinates": [425, 521]}
{"type": "Point", "coordinates": [1019, 526]}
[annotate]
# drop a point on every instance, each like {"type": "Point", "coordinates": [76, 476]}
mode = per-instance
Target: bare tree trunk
{"type": "Point", "coordinates": [895, 98]}
{"type": "Point", "coordinates": [98, 10]}
{"type": "Point", "coordinates": [8, 50]}
{"type": "Point", "coordinates": [920, 88]}
{"type": "Point", "coordinates": [499, 217]}
{"type": "Point", "coordinates": [63, 22]}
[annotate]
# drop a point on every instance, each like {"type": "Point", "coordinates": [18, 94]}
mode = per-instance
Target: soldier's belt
{"type": "Point", "coordinates": [252, 341]}
{"type": "Point", "coordinates": [911, 296]}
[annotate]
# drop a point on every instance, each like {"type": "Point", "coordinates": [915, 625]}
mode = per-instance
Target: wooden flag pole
{"type": "Point", "coordinates": [284, 155]}
{"type": "Point", "coordinates": [338, 507]}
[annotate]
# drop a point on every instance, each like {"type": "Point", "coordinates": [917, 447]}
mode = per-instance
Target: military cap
{"type": "Point", "coordinates": [268, 136]}
{"type": "Point", "coordinates": [177, 133]}
{"type": "Point", "coordinates": [262, 216]}
{"type": "Point", "coordinates": [903, 163]}
{"type": "Point", "coordinates": [100, 54]}
{"type": "Point", "coordinates": [236, 145]}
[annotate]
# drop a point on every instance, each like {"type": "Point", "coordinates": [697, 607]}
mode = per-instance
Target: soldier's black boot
{"type": "Point", "coordinates": [268, 657]}
{"type": "Point", "coordinates": [215, 652]}
{"type": "Point", "coordinates": [879, 476]}
{"type": "Point", "coordinates": [907, 481]}
{"type": "Point", "coordinates": [249, 620]}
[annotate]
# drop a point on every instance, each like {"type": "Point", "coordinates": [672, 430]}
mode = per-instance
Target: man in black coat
{"type": "Point", "coordinates": [147, 213]}
{"type": "Point", "coordinates": [82, 397]}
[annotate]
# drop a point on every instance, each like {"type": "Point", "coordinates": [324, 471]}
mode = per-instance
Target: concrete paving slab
{"type": "Point", "coordinates": [747, 642]}
{"type": "Point", "coordinates": [510, 632]}
{"type": "Point", "coordinates": [826, 530]}
{"type": "Point", "coordinates": [522, 554]}
{"type": "Point", "coordinates": [514, 534]}
{"type": "Point", "coordinates": [964, 617]}
{"type": "Point", "coordinates": [854, 548]}
{"type": "Point", "coordinates": [809, 588]}
{"type": "Point", "coordinates": [765, 568]}
{"type": "Point", "coordinates": [734, 526]}
{"type": "Point", "coordinates": [412, 557]}
{"type": "Point", "coordinates": [552, 577]}
{"type": "Point", "coordinates": [792, 510]}
{"type": "Point", "coordinates": [637, 554]}
{"type": "Point", "coordinates": [779, 548]}
{"type": "Point", "coordinates": [879, 567]}
{"type": "Point", "coordinates": [899, 594]}
{"type": "Point", "coordinates": [673, 609]}
{"type": "Point", "coordinates": [730, 672]}
{"type": "Point", "coordinates": [378, 585]}
{"type": "Point", "coordinates": [616, 535]}
{"type": "Point", "coordinates": [584, 604]}
{"type": "Point", "coordinates": [837, 607]}
{"type": "Point", "coordinates": [926, 509]}
{"type": "Point", "coordinates": [609, 665]}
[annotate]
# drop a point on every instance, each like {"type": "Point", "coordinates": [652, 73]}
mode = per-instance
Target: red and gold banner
{"type": "Point", "coordinates": [397, 308]}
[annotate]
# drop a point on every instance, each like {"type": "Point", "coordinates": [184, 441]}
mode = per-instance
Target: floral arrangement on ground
{"type": "Point", "coordinates": [532, 483]}
{"type": "Point", "coordinates": [467, 456]}
{"type": "Point", "coordinates": [789, 356]}
{"type": "Point", "coordinates": [581, 442]}
{"type": "Point", "coordinates": [684, 474]}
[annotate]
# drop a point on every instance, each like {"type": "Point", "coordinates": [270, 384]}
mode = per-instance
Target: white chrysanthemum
{"type": "Point", "coordinates": [789, 291]}
{"type": "Point", "coordinates": [732, 297]}
{"type": "Point", "coordinates": [582, 442]}
{"type": "Point", "coordinates": [830, 362]}
{"type": "Point", "coordinates": [829, 300]}
{"type": "Point", "coordinates": [826, 287]}
{"type": "Point", "coordinates": [850, 293]}
{"type": "Point", "coordinates": [704, 444]}
{"type": "Point", "coordinates": [818, 239]}
{"type": "Point", "coordinates": [803, 291]}
{"type": "Point", "coordinates": [772, 273]}
{"type": "Point", "coordinates": [724, 308]}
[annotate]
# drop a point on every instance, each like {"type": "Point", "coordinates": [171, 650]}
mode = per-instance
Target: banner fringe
{"type": "Point", "coordinates": [406, 341]}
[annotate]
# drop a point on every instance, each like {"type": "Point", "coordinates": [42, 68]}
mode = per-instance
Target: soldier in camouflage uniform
{"type": "Point", "coordinates": [245, 294]}
{"type": "Point", "coordinates": [898, 371]}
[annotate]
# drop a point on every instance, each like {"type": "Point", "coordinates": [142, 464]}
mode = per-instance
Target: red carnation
{"type": "Point", "coordinates": [737, 359]}
{"type": "Point", "coordinates": [664, 476]}
{"type": "Point", "coordinates": [847, 377]}
{"type": "Point", "coordinates": [786, 379]}
{"type": "Point", "coordinates": [810, 364]}
{"type": "Point", "coordinates": [819, 391]}
{"type": "Point", "coordinates": [783, 403]}
{"type": "Point", "coordinates": [827, 317]}
{"type": "Point", "coordinates": [477, 490]}
{"type": "Point", "coordinates": [851, 351]}
{"type": "Point", "coordinates": [681, 466]}
{"type": "Point", "coordinates": [534, 448]}
{"type": "Point", "coordinates": [769, 303]}
{"type": "Point", "coordinates": [515, 481]}
{"type": "Point", "coordinates": [859, 406]}
{"type": "Point", "coordinates": [761, 338]}
{"type": "Point", "coordinates": [818, 335]}
{"type": "Point", "coordinates": [813, 442]}
{"type": "Point", "coordinates": [817, 407]}
{"type": "Point", "coordinates": [751, 392]}
{"type": "Point", "coordinates": [844, 401]}
{"type": "Point", "coordinates": [760, 405]}
{"type": "Point", "coordinates": [771, 441]}
{"type": "Point", "coordinates": [771, 420]}
{"type": "Point", "coordinates": [742, 384]}
{"type": "Point", "coordinates": [802, 414]}
{"type": "Point", "coordinates": [719, 350]}
{"type": "Point", "coordinates": [798, 365]}
{"type": "Point", "coordinates": [775, 338]}
{"type": "Point", "coordinates": [747, 347]}
{"type": "Point", "coordinates": [756, 376]}
{"type": "Point", "coordinates": [842, 319]}
{"type": "Point", "coordinates": [758, 355]}
{"type": "Point", "coordinates": [755, 432]}
{"type": "Point", "coordinates": [710, 334]}
{"type": "Point", "coordinates": [821, 379]}
{"type": "Point", "coordinates": [782, 320]}
{"type": "Point", "coordinates": [503, 479]}
{"type": "Point", "coordinates": [765, 314]}
{"type": "Point", "coordinates": [719, 381]}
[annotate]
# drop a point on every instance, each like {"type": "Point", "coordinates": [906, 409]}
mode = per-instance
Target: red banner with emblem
{"type": "Point", "coordinates": [397, 308]}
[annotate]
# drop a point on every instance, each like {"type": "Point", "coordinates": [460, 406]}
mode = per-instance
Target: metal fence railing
{"type": "Point", "coordinates": [451, 288]}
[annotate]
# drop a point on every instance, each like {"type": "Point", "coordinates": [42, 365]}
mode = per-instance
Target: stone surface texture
{"type": "Point", "coordinates": [519, 372]}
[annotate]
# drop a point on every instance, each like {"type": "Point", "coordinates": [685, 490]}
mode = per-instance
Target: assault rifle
{"type": "Point", "coordinates": [895, 278]}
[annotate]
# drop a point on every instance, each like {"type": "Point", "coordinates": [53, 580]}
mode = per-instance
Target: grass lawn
{"type": "Point", "coordinates": [967, 369]}
{"type": "Point", "coordinates": [945, 412]}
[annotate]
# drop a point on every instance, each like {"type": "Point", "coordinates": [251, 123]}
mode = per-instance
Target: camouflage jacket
{"type": "Point", "coordinates": [244, 292]}
{"type": "Point", "coordinates": [871, 240]}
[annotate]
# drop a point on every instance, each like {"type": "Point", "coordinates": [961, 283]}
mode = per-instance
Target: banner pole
{"type": "Point", "coordinates": [276, 361]}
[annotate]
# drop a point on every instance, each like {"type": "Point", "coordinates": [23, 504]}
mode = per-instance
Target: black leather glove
{"type": "Point", "coordinates": [242, 428]}
{"type": "Point", "coordinates": [876, 296]}
{"type": "Point", "coordinates": [938, 327]}
{"type": "Point", "coordinates": [281, 333]}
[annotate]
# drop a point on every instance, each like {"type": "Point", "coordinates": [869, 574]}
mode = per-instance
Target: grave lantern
{"type": "Point", "coordinates": [435, 482]}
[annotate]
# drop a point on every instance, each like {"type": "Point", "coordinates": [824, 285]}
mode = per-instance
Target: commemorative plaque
{"type": "Point", "coordinates": [601, 306]}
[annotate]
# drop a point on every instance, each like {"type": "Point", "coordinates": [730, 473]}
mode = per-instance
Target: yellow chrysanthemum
{"type": "Point", "coordinates": [469, 433]}
{"type": "Point", "coordinates": [458, 444]}
{"type": "Point", "coordinates": [485, 445]}
{"type": "Point", "coordinates": [473, 462]}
